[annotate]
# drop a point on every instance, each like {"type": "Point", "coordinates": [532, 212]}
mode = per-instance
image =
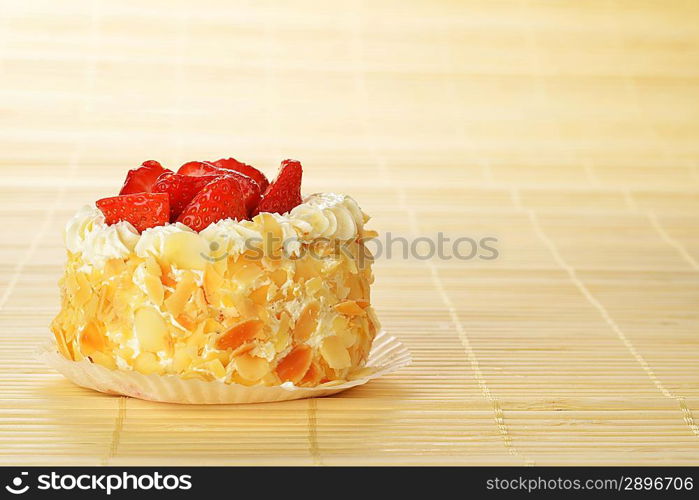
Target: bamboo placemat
{"type": "Point", "coordinates": [568, 130]}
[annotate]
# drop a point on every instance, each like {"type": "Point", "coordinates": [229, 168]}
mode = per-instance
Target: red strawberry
{"type": "Point", "coordinates": [143, 210]}
{"type": "Point", "coordinates": [243, 168]}
{"type": "Point", "coordinates": [285, 191]}
{"type": "Point", "coordinates": [141, 180]}
{"type": "Point", "coordinates": [197, 168]}
{"type": "Point", "coordinates": [220, 199]}
{"type": "Point", "coordinates": [181, 189]}
{"type": "Point", "coordinates": [248, 187]}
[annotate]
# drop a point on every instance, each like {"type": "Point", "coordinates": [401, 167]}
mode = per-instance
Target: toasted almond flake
{"type": "Point", "coordinates": [259, 296]}
{"type": "Point", "coordinates": [183, 292]}
{"type": "Point", "coordinates": [250, 367]}
{"type": "Point", "coordinates": [61, 342]}
{"type": "Point", "coordinates": [186, 250]}
{"type": "Point", "coordinates": [313, 375]}
{"type": "Point", "coordinates": [152, 266]}
{"type": "Point", "coordinates": [240, 334]}
{"type": "Point", "coordinates": [306, 269]}
{"type": "Point", "coordinates": [154, 287]}
{"type": "Point", "coordinates": [211, 325]}
{"type": "Point", "coordinates": [279, 276]}
{"type": "Point", "coordinates": [91, 339]}
{"type": "Point", "coordinates": [181, 359]}
{"type": "Point", "coordinates": [212, 282]}
{"type": "Point", "coordinates": [295, 364]}
{"type": "Point", "coordinates": [147, 363]}
{"type": "Point", "coordinates": [247, 347]}
{"type": "Point", "coordinates": [216, 368]}
{"type": "Point", "coordinates": [186, 321]}
{"type": "Point", "coordinates": [103, 359]}
{"type": "Point", "coordinates": [334, 353]}
{"type": "Point", "coordinates": [83, 291]}
{"type": "Point", "coordinates": [313, 285]}
{"type": "Point", "coordinates": [282, 338]}
{"type": "Point", "coordinates": [349, 308]}
{"type": "Point", "coordinates": [307, 322]}
{"type": "Point", "coordinates": [151, 329]}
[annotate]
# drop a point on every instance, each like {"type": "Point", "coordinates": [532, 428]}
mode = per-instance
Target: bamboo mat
{"type": "Point", "coordinates": [567, 130]}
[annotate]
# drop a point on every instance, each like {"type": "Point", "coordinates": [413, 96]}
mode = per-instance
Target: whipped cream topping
{"type": "Point", "coordinates": [88, 233]}
{"type": "Point", "coordinates": [322, 215]}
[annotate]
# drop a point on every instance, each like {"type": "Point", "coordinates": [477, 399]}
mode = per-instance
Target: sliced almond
{"type": "Point", "coordinates": [104, 360]}
{"type": "Point", "coordinates": [313, 376]}
{"type": "Point", "coordinates": [240, 334]}
{"type": "Point", "coordinates": [279, 276]}
{"type": "Point", "coordinates": [151, 329]}
{"type": "Point", "coordinates": [216, 368]}
{"type": "Point", "coordinates": [295, 364]}
{"type": "Point", "coordinates": [307, 322]}
{"type": "Point", "coordinates": [334, 353]}
{"type": "Point", "coordinates": [259, 296]}
{"type": "Point", "coordinates": [91, 339]}
{"type": "Point", "coordinates": [349, 308]}
{"type": "Point", "coordinates": [281, 339]}
{"type": "Point", "coordinates": [183, 292]}
{"type": "Point", "coordinates": [251, 367]}
{"type": "Point", "coordinates": [181, 359]}
{"type": "Point", "coordinates": [154, 287]}
{"type": "Point", "coordinates": [212, 284]}
{"type": "Point", "coordinates": [186, 250]}
{"type": "Point", "coordinates": [147, 363]}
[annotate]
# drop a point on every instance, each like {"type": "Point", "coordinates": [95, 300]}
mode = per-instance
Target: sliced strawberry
{"type": "Point", "coordinates": [143, 210]}
{"type": "Point", "coordinates": [141, 179]}
{"type": "Point", "coordinates": [251, 190]}
{"type": "Point", "coordinates": [285, 191]}
{"type": "Point", "coordinates": [220, 199]}
{"type": "Point", "coordinates": [243, 168]}
{"type": "Point", "coordinates": [196, 168]}
{"type": "Point", "coordinates": [181, 189]}
{"type": "Point", "coordinates": [248, 187]}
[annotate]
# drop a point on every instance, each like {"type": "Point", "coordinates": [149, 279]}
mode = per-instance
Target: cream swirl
{"type": "Point", "coordinates": [322, 215]}
{"type": "Point", "coordinates": [87, 233]}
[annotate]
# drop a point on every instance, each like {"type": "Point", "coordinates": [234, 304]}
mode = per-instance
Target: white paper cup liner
{"type": "Point", "coordinates": [387, 355]}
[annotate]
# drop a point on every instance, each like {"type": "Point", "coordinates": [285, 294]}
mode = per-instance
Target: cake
{"type": "Point", "coordinates": [214, 273]}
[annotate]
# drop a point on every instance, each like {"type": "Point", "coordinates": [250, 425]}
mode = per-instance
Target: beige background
{"type": "Point", "coordinates": [566, 129]}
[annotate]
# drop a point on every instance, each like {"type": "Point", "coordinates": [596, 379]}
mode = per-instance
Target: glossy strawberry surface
{"type": "Point", "coordinates": [220, 199]}
{"type": "Point", "coordinates": [142, 210]}
{"type": "Point", "coordinates": [284, 193]}
{"type": "Point", "coordinates": [142, 179]}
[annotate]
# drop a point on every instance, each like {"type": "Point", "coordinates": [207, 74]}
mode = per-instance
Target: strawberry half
{"type": "Point", "coordinates": [181, 189]}
{"type": "Point", "coordinates": [197, 168]}
{"type": "Point", "coordinates": [220, 199]}
{"type": "Point", "coordinates": [142, 210]}
{"type": "Point", "coordinates": [249, 187]}
{"type": "Point", "coordinates": [285, 191]}
{"type": "Point", "coordinates": [243, 168]}
{"type": "Point", "coordinates": [141, 180]}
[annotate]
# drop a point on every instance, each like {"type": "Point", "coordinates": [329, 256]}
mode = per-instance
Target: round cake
{"type": "Point", "coordinates": [208, 284]}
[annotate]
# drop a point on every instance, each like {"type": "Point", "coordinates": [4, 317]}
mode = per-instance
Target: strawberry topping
{"type": "Point", "coordinates": [249, 189]}
{"type": "Point", "coordinates": [243, 168]}
{"type": "Point", "coordinates": [220, 199]}
{"type": "Point", "coordinates": [142, 210]}
{"type": "Point", "coordinates": [284, 193]}
{"type": "Point", "coordinates": [141, 179]}
{"type": "Point", "coordinates": [181, 189]}
{"type": "Point", "coordinates": [197, 168]}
